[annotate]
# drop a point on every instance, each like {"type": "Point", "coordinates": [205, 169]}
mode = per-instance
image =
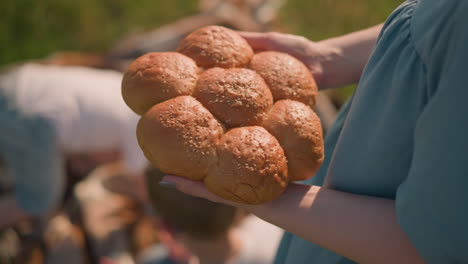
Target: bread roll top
{"type": "Point", "coordinates": [156, 77]}
{"type": "Point", "coordinates": [287, 77]}
{"type": "Point", "coordinates": [216, 46]}
{"type": "Point", "coordinates": [237, 96]}
{"type": "Point", "coordinates": [299, 131]}
{"type": "Point", "coordinates": [179, 137]}
{"type": "Point", "coordinates": [251, 167]}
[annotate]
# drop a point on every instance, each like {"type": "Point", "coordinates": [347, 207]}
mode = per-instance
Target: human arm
{"type": "Point", "coordinates": [333, 62]}
{"type": "Point", "coordinates": [361, 228]}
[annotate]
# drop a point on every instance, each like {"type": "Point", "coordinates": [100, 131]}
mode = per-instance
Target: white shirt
{"type": "Point", "coordinates": [86, 107]}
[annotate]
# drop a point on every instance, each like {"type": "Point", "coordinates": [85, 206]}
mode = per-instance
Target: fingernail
{"type": "Point", "coordinates": [167, 184]}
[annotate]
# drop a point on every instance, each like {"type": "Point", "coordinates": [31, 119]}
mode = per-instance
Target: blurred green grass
{"type": "Point", "coordinates": [320, 19]}
{"type": "Point", "coordinates": [32, 29]}
{"type": "Point", "coordinates": [35, 28]}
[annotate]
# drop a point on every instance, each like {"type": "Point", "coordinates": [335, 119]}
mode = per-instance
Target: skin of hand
{"type": "Point", "coordinates": [334, 62]}
{"type": "Point", "coordinates": [361, 228]}
{"type": "Point", "coordinates": [314, 55]}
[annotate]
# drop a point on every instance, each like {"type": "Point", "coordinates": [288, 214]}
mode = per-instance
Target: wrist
{"type": "Point", "coordinates": [323, 65]}
{"type": "Point", "coordinates": [346, 56]}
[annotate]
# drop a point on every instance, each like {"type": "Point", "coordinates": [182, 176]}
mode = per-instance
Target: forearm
{"type": "Point", "coordinates": [361, 228]}
{"type": "Point", "coordinates": [347, 56]}
{"type": "Point", "coordinates": [10, 212]}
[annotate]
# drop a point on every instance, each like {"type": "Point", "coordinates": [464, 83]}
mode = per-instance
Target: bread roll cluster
{"type": "Point", "coordinates": [216, 112]}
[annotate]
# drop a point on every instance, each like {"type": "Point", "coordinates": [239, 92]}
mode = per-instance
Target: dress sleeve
{"type": "Point", "coordinates": [432, 203]}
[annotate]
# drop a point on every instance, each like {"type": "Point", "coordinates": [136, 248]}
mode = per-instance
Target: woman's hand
{"type": "Point", "coordinates": [333, 62]}
{"type": "Point", "coordinates": [312, 54]}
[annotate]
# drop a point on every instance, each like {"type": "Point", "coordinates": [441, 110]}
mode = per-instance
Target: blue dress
{"type": "Point", "coordinates": [404, 134]}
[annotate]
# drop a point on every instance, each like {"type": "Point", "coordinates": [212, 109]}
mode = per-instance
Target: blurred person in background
{"type": "Point", "coordinates": [393, 185]}
{"type": "Point", "coordinates": [212, 233]}
{"type": "Point", "coordinates": [55, 115]}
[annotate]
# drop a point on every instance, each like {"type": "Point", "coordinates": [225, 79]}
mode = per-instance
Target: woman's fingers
{"type": "Point", "coordinates": [296, 46]}
{"type": "Point", "coordinates": [258, 41]}
{"type": "Point", "coordinates": [272, 41]}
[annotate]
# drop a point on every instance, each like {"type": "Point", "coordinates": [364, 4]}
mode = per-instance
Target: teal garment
{"type": "Point", "coordinates": [404, 134]}
{"type": "Point", "coordinates": [29, 148]}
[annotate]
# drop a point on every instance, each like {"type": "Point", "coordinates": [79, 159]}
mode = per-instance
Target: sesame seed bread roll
{"type": "Point", "coordinates": [216, 46]}
{"type": "Point", "coordinates": [251, 167]}
{"type": "Point", "coordinates": [287, 77]}
{"type": "Point", "coordinates": [179, 137]}
{"type": "Point", "coordinates": [237, 97]}
{"type": "Point", "coordinates": [156, 77]}
{"type": "Point", "coordinates": [299, 131]}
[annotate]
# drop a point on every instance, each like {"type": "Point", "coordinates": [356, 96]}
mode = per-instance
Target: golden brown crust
{"type": "Point", "coordinates": [299, 131]}
{"type": "Point", "coordinates": [275, 135]}
{"type": "Point", "coordinates": [238, 97]}
{"type": "Point", "coordinates": [216, 46]}
{"type": "Point", "coordinates": [179, 136]}
{"type": "Point", "coordinates": [251, 167]}
{"type": "Point", "coordinates": [287, 77]}
{"type": "Point", "coordinates": [157, 77]}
